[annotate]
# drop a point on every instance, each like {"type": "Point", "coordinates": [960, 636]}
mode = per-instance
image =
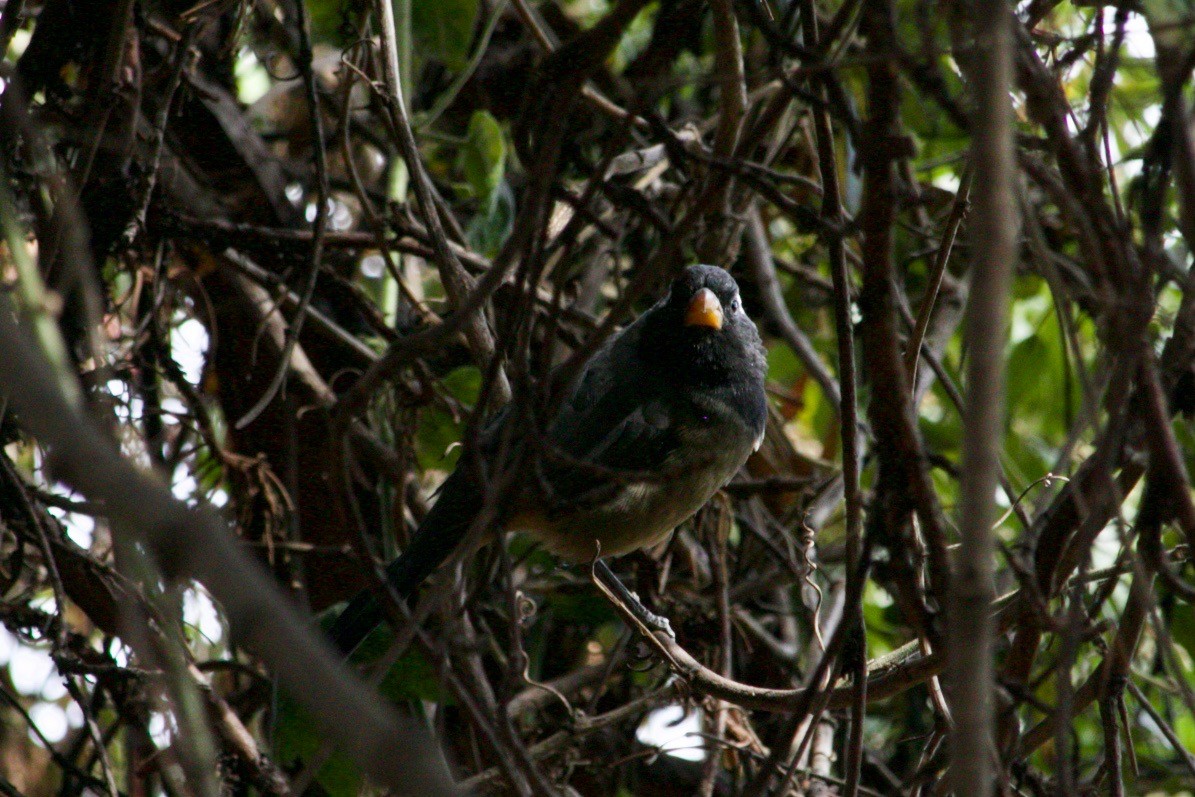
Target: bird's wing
{"type": "Point", "coordinates": [616, 428]}
{"type": "Point", "coordinates": [610, 425]}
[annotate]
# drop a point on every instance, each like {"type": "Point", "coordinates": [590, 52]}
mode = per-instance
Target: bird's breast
{"type": "Point", "coordinates": [641, 513]}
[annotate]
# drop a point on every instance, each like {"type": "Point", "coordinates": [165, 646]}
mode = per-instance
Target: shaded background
{"type": "Point", "coordinates": [238, 274]}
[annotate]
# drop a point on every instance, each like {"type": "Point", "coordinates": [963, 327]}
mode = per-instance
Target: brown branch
{"type": "Point", "coordinates": [958, 212]}
{"type": "Point", "coordinates": [1116, 663]}
{"type": "Point", "coordinates": [849, 433]}
{"type": "Point", "coordinates": [720, 244]}
{"type": "Point", "coordinates": [759, 257]}
{"type": "Point", "coordinates": [903, 482]}
{"type": "Point", "coordinates": [994, 247]}
{"type": "Point", "coordinates": [195, 543]}
{"type": "Point", "coordinates": [457, 283]}
{"type": "Point", "coordinates": [322, 198]}
{"type": "Point", "coordinates": [887, 675]}
{"type": "Point", "coordinates": [1167, 729]}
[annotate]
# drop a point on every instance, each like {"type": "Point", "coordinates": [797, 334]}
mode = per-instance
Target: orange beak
{"type": "Point", "coordinates": [704, 310]}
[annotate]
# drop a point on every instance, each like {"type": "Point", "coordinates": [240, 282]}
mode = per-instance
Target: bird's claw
{"type": "Point", "coordinates": [618, 592]}
{"type": "Point", "coordinates": [652, 620]}
{"type": "Point", "coordinates": [661, 624]}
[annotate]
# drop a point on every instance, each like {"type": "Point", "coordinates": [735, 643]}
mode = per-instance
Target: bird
{"type": "Point", "coordinates": [660, 418]}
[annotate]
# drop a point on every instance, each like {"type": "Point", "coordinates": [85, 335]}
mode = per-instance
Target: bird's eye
{"type": "Point", "coordinates": [735, 305]}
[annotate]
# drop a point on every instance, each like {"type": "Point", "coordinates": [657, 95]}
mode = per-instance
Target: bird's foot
{"type": "Point", "coordinates": [655, 622]}
{"type": "Point", "coordinates": [660, 623]}
{"type": "Point", "coordinates": [617, 591]}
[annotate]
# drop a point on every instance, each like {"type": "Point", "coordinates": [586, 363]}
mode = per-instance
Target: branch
{"type": "Point", "coordinates": [457, 282]}
{"type": "Point", "coordinates": [994, 244]}
{"type": "Point", "coordinates": [194, 543]}
{"type": "Point", "coordinates": [903, 483]}
{"type": "Point", "coordinates": [888, 675]}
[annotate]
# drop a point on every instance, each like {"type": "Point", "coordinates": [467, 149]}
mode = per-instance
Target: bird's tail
{"type": "Point", "coordinates": [440, 533]}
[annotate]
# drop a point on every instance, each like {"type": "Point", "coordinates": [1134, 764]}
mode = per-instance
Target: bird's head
{"type": "Point", "coordinates": [699, 331]}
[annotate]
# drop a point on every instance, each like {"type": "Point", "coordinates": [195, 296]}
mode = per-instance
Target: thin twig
{"type": "Point", "coordinates": [322, 197]}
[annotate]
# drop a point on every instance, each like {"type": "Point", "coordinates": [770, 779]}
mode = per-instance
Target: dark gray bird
{"type": "Point", "coordinates": [662, 416]}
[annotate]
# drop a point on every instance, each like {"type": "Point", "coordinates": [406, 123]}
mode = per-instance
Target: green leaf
{"type": "Point", "coordinates": [488, 230]}
{"type": "Point", "coordinates": [297, 739]}
{"type": "Point", "coordinates": [783, 366]}
{"type": "Point", "coordinates": [1182, 626]}
{"type": "Point", "coordinates": [483, 157]}
{"type": "Point", "coordinates": [1184, 726]}
{"type": "Point", "coordinates": [444, 29]}
{"type": "Point", "coordinates": [326, 18]}
{"type": "Point", "coordinates": [463, 384]}
{"type": "Point", "coordinates": [412, 677]}
{"type": "Point", "coordinates": [399, 180]}
{"type": "Point", "coordinates": [1169, 22]}
{"type": "Point", "coordinates": [437, 431]}
{"type": "Point", "coordinates": [587, 609]}
{"type": "Point", "coordinates": [435, 438]}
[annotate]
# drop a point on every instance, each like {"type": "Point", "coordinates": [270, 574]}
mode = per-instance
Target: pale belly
{"type": "Point", "coordinates": [645, 513]}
